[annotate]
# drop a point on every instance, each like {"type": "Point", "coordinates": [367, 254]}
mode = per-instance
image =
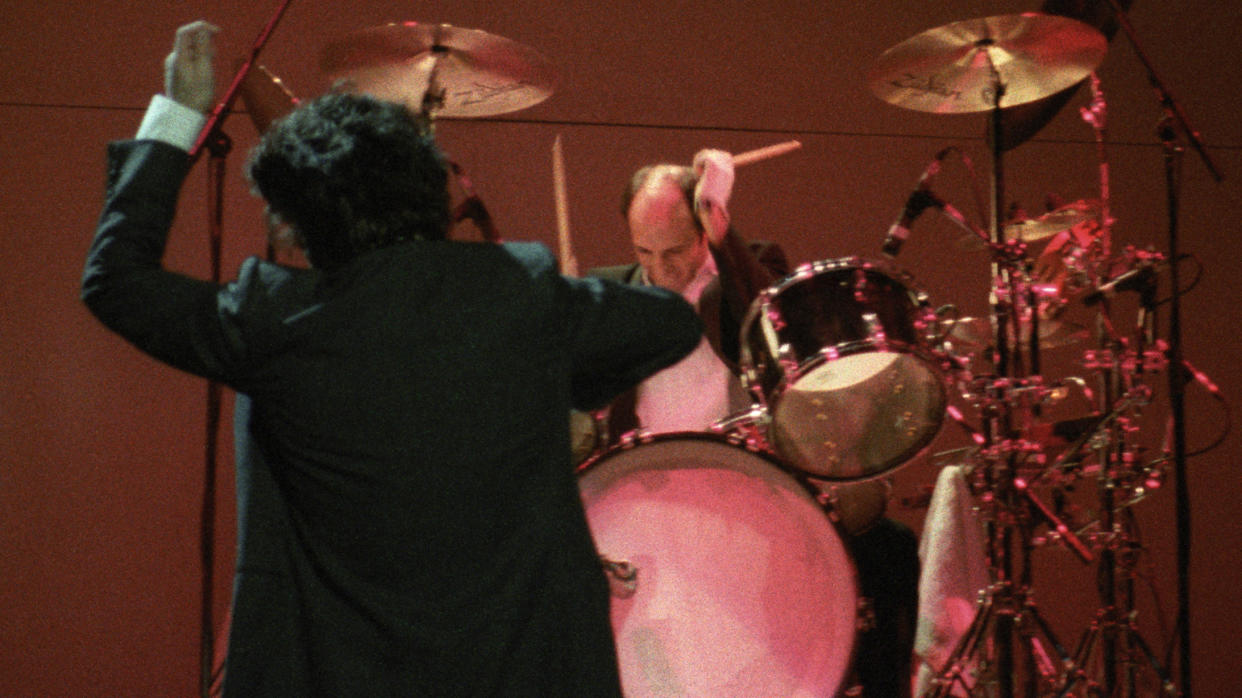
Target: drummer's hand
{"type": "Point", "coordinates": [188, 75]}
{"type": "Point", "coordinates": [714, 169]}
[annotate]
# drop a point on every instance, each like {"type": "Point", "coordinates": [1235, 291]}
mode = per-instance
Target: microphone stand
{"type": "Point", "coordinates": [1174, 114]}
{"type": "Point", "coordinates": [213, 139]}
{"type": "Point", "coordinates": [1167, 101]}
{"type": "Point", "coordinates": [1177, 407]}
{"type": "Point", "coordinates": [215, 120]}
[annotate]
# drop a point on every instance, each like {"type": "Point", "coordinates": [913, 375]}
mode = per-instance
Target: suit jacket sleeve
{"type": "Point", "coordinates": [177, 319]}
{"type": "Point", "coordinates": [745, 270]}
{"type": "Point", "coordinates": [621, 334]}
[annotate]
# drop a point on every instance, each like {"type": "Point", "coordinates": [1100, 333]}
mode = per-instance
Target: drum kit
{"type": "Point", "coordinates": [725, 548]}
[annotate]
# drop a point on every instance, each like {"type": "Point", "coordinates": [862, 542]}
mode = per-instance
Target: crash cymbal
{"type": "Point", "coordinates": [1053, 222]}
{"type": "Point", "coordinates": [953, 69]}
{"type": "Point", "coordinates": [1022, 122]}
{"type": "Point", "coordinates": [439, 69]}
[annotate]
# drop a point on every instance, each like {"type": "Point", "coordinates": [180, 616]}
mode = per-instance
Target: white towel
{"type": "Point", "coordinates": [954, 571]}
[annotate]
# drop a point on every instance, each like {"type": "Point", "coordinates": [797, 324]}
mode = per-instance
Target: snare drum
{"type": "Point", "coordinates": [743, 586]}
{"type": "Point", "coordinates": [839, 353]}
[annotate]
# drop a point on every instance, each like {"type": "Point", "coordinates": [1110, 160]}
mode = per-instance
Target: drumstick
{"type": "Point", "coordinates": [764, 153]}
{"type": "Point", "coordinates": [569, 264]}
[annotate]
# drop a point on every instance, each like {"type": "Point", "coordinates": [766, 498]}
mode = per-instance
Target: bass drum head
{"type": "Point", "coordinates": [744, 587]}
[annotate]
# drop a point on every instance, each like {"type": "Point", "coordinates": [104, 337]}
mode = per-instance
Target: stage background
{"type": "Point", "coordinates": [102, 467]}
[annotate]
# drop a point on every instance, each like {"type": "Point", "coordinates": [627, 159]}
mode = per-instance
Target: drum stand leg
{"type": "Point", "coordinates": [1113, 629]}
{"type": "Point", "coordinates": [1007, 630]}
{"type": "Point", "coordinates": [1110, 627]}
{"type": "Point", "coordinates": [1006, 617]}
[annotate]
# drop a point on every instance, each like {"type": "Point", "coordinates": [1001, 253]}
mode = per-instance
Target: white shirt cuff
{"type": "Point", "coordinates": [171, 122]}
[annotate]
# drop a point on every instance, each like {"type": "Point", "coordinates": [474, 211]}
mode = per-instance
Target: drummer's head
{"type": "Point", "coordinates": [350, 173]}
{"type": "Point", "coordinates": [668, 238]}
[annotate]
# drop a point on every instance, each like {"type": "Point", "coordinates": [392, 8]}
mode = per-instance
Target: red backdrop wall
{"type": "Point", "coordinates": [102, 468]}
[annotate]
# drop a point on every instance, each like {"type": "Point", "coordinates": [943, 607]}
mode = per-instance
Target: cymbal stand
{"type": "Point", "coordinates": [1005, 604]}
{"type": "Point", "coordinates": [1113, 633]}
{"type": "Point", "coordinates": [1112, 641]}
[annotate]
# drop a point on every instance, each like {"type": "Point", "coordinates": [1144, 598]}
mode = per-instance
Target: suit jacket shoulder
{"type": "Point", "coordinates": [621, 273]}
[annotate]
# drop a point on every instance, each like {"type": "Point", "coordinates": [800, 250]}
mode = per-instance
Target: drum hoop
{"type": "Point", "coordinates": [802, 479]}
{"type": "Point", "coordinates": [643, 438]}
{"type": "Point", "coordinates": [745, 359]}
{"type": "Point", "coordinates": [812, 269]}
{"type": "Point", "coordinates": [866, 346]}
{"type": "Point", "coordinates": [917, 295]}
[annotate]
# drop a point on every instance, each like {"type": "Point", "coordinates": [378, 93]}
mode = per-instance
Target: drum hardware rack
{"type": "Point", "coordinates": [1006, 612]}
{"type": "Point", "coordinates": [1006, 609]}
{"type": "Point", "coordinates": [1113, 636]}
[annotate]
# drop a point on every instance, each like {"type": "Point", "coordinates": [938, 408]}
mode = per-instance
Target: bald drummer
{"type": "Point", "coordinates": [680, 228]}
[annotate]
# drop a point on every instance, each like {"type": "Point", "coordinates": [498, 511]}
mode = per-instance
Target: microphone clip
{"type": "Point", "coordinates": [918, 203]}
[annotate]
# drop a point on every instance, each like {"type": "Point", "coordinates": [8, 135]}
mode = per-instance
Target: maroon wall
{"type": "Point", "coordinates": [103, 448]}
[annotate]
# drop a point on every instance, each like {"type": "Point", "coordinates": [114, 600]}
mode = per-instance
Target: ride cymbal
{"type": "Point", "coordinates": [955, 68]}
{"type": "Point", "coordinates": [439, 69]}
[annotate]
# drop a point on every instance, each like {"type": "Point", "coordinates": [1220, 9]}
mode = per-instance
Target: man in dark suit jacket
{"type": "Point", "coordinates": [409, 522]}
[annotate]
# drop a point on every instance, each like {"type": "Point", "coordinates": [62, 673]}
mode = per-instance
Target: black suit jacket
{"type": "Point", "coordinates": [409, 522]}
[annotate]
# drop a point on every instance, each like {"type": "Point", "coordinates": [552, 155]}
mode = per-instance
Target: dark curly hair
{"type": "Point", "coordinates": [352, 173]}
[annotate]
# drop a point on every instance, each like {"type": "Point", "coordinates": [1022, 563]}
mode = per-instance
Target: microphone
{"type": "Point", "coordinates": [1201, 377]}
{"type": "Point", "coordinates": [919, 201]}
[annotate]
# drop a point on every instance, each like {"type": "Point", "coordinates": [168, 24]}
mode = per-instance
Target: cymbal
{"type": "Point", "coordinates": [266, 98]}
{"type": "Point", "coordinates": [440, 69]}
{"type": "Point", "coordinates": [977, 332]}
{"type": "Point", "coordinates": [1022, 122]}
{"type": "Point", "coordinates": [1053, 222]}
{"type": "Point", "coordinates": [953, 69]}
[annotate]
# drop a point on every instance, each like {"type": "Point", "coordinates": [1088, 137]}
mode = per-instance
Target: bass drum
{"type": "Point", "coordinates": [741, 585]}
{"type": "Point", "coordinates": [839, 353]}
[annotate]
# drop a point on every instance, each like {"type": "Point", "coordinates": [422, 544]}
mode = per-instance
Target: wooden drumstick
{"type": "Point", "coordinates": [766, 152]}
{"type": "Point", "coordinates": [569, 263]}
